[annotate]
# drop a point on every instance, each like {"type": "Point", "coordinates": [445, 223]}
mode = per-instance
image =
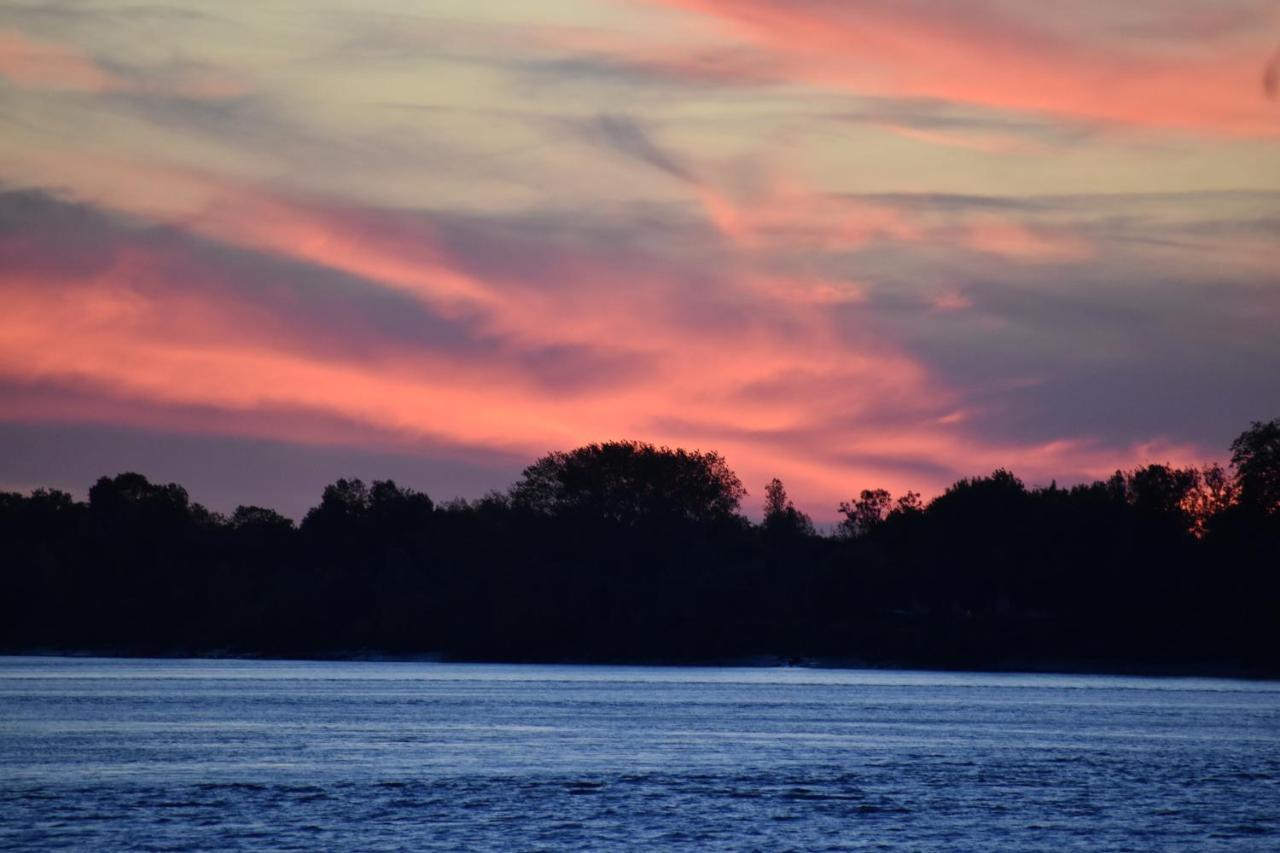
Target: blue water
{"type": "Point", "coordinates": [99, 754]}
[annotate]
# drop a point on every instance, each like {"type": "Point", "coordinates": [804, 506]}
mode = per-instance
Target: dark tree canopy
{"type": "Point", "coordinates": [1162, 490]}
{"type": "Point", "coordinates": [130, 492]}
{"type": "Point", "coordinates": [630, 482]}
{"type": "Point", "coordinates": [1255, 455]}
{"type": "Point", "coordinates": [865, 514]}
{"type": "Point", "coordinates": [351, 502]}
{"type": "Point", "coordinates": [260, 518]}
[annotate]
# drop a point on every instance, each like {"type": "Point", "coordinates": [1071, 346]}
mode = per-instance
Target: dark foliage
{"type": "Point", "coordinates": [1256, 457]}
{"type": "Point", "coordinates": [631, 483]}
{"type": "Point", "coordinates": [626, 551]}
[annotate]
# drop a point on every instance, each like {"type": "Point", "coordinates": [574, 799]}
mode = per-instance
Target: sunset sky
{"type": "Point", "coordinates": [254, 247]}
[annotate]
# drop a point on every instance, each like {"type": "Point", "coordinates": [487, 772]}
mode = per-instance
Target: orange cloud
{"type": "Point", "coordinates": [146, 327]}
{"type": "Point", "coordinates": [766, 334]}
{"type": "Point", "coordinates": [989, 57]}
{"type": "Point", "coordinates": [746, 360]}
{"type": "Point", "coordinates": [172, 351]}
{"type": "Point", "coordinates": [125, 330]}
{"type": "Point", "coordinates": [377, 247]}
{"type": "Point", "coordinates": [785, 217]}
{"type": "Point", "coordinates": [788, 216]}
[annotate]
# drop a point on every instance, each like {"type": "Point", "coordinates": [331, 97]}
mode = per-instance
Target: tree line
{"type": "Point", "coordinates": [623, 551]}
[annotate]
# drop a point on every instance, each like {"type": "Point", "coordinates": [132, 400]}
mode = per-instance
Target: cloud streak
{"type": "Point", "coordinates": [1200, 77]}
{"type": "Point", "coordinates": [43, 65]}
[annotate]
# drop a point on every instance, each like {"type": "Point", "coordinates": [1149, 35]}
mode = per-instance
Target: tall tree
{"type": "Point", "coordinates": [780, 515]}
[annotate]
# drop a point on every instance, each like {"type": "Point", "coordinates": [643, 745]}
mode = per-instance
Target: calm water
{"type": "Point", "coordinates": [98, 754]}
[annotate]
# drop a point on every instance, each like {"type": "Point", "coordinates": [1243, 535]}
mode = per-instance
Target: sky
{"type": "Point", "coordinates": [255, 247]}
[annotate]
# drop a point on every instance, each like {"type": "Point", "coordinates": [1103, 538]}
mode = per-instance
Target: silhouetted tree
{"type": "Point", "coordinates": [1255, 456]}
{"type": "Point", "coordinates": [256, 518]}
{"type": "Point", "coordinates": [629, 482]}
{"type": "Point", "coordinates": [1163, 491]}
{"type": "Point", "coordinates": [781, 518]}
{"type": "Point", "coordinates": [1214, 493]}
{"type": "Point", "coordinates": [909, 504]}
{"type": "Point", "coordinates": [132, 494]}
{"type": "Point", "coordinates": [865, 514]}
{"type": "Point", "coordinates": [776, 502]}
{"type": "Point", "coordinates": [343, 503]}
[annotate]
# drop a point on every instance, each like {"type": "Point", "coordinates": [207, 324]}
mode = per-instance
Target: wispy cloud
{"type": "Point", "coordinates": [1198, 74]}
{"type": "Point", "coordinates": [33, 63]}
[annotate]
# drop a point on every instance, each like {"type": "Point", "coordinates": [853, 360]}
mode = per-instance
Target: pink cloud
{"type": "Point", "coordinates": [999, 236]}
{"type": "Point", "coordinates": [988, 56]}
{"type": "Point", "coordinates": [785, 217]}
{"type": "Point", "coordinates": [752, 360]}
{"type": "Point", "coordinates": [952, 301]}
{"type": "Point", "coordinates": [36, 64]}
{"type": "Point", "coordinates": [987, 143]}
{"type": "Point", "coordinates": [124, 329]}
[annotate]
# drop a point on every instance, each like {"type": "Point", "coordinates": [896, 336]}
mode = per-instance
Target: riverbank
{"type": "Point", "coordinates": [1009, 667]}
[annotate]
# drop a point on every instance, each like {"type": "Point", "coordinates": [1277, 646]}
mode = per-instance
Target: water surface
{"type": "Point", "coordinates": [164, 754]}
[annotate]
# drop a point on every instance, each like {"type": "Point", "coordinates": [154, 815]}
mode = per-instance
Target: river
{"type": "Point", "coordinates": [101, 754]}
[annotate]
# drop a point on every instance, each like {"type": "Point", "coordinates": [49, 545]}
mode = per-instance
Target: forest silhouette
{"type": "Point", "coordinates": [622, 551]}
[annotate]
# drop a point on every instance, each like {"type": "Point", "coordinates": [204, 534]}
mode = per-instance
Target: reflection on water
{"type": "Point", "coordinates": [197, 754]}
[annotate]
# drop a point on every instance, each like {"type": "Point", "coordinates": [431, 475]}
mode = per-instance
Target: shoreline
{"type": "Point", "coordinates": [1132, 670]}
